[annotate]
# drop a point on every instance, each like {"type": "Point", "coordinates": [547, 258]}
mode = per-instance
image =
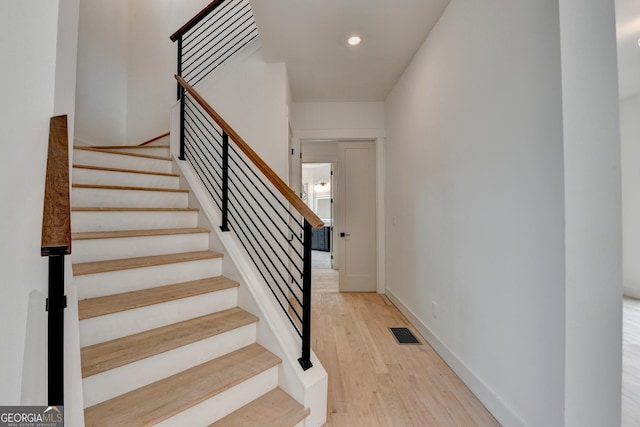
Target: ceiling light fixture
{"type": "Point", "coordinates": [354, 40]}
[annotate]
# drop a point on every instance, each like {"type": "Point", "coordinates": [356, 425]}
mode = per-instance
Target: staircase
{"type": "Point", "coordinates": [163, 339]}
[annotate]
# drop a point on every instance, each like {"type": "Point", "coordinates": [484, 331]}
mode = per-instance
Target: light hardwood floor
{"type": "Point", "coordinates": [631, 363]}
{"type": "Point", "coordinates": [374, 382]}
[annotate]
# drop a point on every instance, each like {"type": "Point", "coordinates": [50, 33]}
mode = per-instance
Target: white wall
{"type": "Point", "coordinates": [322, 116]}
{"type": "Point", "coordinates": [630, 146]}
{"type": "Point", "coordinates": [152, 63]}
{"type": "Point", "coordinates": [126, 64]}
{"type": "Point", "coordinates": [474, 209]}
{"type": "Point", "coordinates": [101, 95]}
{"type": "Point", "coordinates": [593, 243]}
{"type": "Point", "coordinates": [32, 95]}
{"type": "Point", "coordinates": [251, 96]}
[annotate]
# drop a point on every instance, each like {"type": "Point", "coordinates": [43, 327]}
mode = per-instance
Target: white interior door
{"type": "Point", "coordinates": [356, 235]}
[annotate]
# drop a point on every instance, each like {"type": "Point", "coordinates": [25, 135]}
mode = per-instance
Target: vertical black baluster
{"type": "Point", "coordinates": [55, 305]}
{"type": "Point", "coordinates": [179, 66]}
{"type": "Point", "coordinates": [225, 182]}
{"type": "Point", "coordinates": [181, 95]}
{"type": "Point", "coordinates": [305, 360]}
{"type": "Point", "coordinates": [182, 99]}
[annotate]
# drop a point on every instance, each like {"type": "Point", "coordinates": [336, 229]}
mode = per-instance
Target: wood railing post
{"type": "Point", "coordinates": [56, 243]}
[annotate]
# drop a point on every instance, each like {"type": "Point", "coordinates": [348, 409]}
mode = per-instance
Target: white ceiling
{"type": "Point", "coordinates": [628, 32]}
{"type": "Point", "coordinates": [310, 37]}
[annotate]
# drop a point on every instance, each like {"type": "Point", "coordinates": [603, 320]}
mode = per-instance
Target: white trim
{"type": "Point", "coordinates": [631, 292]}
{"type": "Point", "coordinates": [490, 399]}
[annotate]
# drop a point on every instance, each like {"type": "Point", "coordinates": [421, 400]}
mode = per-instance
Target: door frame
{"type": "Point", "coordinates": [377, 137]}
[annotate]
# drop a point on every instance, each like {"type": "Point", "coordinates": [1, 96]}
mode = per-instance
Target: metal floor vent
{"type": "Point", "coordinates": [404, 336]}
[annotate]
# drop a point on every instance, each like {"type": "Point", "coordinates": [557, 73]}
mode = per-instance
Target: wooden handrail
{"type": "Point", "coordinates": [56, 216]}
{"type": "Point", "coordinates": [154, 139]}
{"type": "Point", "coordinates": [280, 185]}
{"type": "Point", "coordinates": [193, 21]}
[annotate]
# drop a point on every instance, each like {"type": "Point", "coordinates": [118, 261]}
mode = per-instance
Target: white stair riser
{"type": "Point", "coordinates": [82, 221]}
{"type": "Point", "coordinates": [109, 384]}
{"type": "Point", "coordinates": [108, 327]}
{"type": "Point", "coordinates": [226, 402]}
{"type": "Point", "coordinates": [127, 247]}
{"type": "Point", "coordinates": [115, 198]}
{"type": "Point", "coordinates": [110, 160]}
{"type": "Point", "coordinates": [132, 179]}
{"type": "Point", "coordinates": [117, 282]}
{"type": "Point", "coordinates": [151, 151]}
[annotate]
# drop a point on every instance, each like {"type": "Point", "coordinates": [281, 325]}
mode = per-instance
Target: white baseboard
{"type": "Point", "coordinates": [633, 293]}
{"type": "Point", "coordinates": [494, 404]}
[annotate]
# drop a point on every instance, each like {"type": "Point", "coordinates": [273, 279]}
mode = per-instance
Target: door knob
{"type": "Point", "coordinates": [343, 234]}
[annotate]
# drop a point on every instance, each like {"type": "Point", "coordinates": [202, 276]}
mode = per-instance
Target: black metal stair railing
{"type": "Point", "coordinates": [212, 36]}
{"type": "Point", "coordinates": [274, 234]}
{"type": "Point", "coordinates": [271, 222]}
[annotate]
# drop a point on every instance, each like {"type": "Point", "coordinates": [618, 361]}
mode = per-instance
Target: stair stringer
{"type": "Point", "coordinates": [73, 387]}
{"type": "Point", "coordinates": [274, 330]}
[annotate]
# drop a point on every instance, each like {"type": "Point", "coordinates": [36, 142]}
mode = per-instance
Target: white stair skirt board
{"type": "Point", "coordinates": [226, 402]}
{"type": "Point", "coordinates": [121, 161]}
{"type": "Point", "coordinates": [116, 282]}
{"type": "Point", "coordinates": [104, 220]}
{"type": "Point", "coordinates": [111, 326]}
{"type": "Point", "coordinates": [88, 250]}
{"type": "Point", "coordinates": [109, 384]}
{"type": "Point", "coordinates": [83, 175]}
{"type": "Point", "coordinates": [127, 198]}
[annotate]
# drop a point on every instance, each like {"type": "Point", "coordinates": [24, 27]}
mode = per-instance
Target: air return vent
{"type": "Point", "coordinates": [404, 336]}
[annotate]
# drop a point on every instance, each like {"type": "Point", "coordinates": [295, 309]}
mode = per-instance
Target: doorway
{"type": "Point", "coordinates": [318, 193]}
{"type": "Point", "coordinates": [338, 182]}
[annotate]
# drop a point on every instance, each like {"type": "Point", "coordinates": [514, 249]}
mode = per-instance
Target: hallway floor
{"type": "Point", "coordinates": [373, 381]}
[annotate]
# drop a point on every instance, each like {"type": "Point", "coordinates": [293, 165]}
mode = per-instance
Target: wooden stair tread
{"type": "Point", "coordinates": [102, 168]}
{"type": "Point", "coordinates": [158, 401]}
{"type": "Point", "coordinates": [122, 187]}
{"type": "Point", "coordinates": [109, 304]}
{"type": "Point", "coordinates": [116, 209]}
{"type": "Point", "coordinates": [89, 235]}
{"type": "Point", "coordinates": [120, 153]}
{"type": "Point", "coordinates": [274, 409]}
{"type": "Point", "coordinates": [108, 355]}
{"type": "Point", "coordinates": [121, 147]}
{"type": "Point", "coordinates": [83, 268]}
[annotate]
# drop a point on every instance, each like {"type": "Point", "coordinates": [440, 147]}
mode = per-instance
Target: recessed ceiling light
{"type": "Point", "coordinates": [354, 40]}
